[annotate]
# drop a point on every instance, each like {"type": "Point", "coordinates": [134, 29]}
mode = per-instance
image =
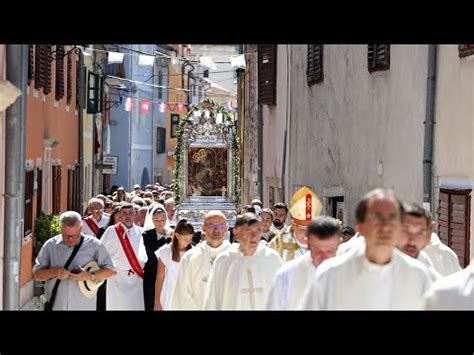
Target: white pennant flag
{"type": "Point", "coordinates": [238, 61]}
{"type": "Point", "coordinates": [207, 61]}
{"type": "Point", "coordinates": [115, 57]}
{"type": "Point", "coordinates": [146, 60]}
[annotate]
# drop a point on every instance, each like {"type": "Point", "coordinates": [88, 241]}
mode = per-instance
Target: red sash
{"type": "Point", "coordinates": [127, 248]}
{"type": "Point", "coordinates": [94, 227]}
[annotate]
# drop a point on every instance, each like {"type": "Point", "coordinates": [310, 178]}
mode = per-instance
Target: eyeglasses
{"type": "Point", "coordinates": [216, 227]}
{"type": "Point", "coordinates": [98, 209]}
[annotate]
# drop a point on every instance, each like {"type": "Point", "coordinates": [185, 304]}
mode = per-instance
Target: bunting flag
{"type": "Point", "coordinates": [145, 106]}
{"type": "Point", "coordinates": [115, 57]}
{"type": "Point", "coordinates": [238, 61]}
{"type": "Point", "coordinates": [163, 107]}
{"type": "Point", "coordinates": [146, 60]}
{"type": "Point", "coordinates": [207, 62]}
{"type": "Point", "coordinates": [128, 104]}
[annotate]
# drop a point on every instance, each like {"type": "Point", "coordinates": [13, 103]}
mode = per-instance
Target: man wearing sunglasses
{"type": "Point", "coordinates": [193, 278]}
{"type": "Point", "coordinates": [96, 219]}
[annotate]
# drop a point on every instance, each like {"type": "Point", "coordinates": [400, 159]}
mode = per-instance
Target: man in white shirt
{"type": "Point", "coordinates": [96, 219]}
{"type": "Point", "coordinates": [416, 233]}
{"type": "Point", "coordinates": [443, 257]}
{"type": "Point", "coordinates": [192, 284]}
{"type": "Point", "coordinates": [453, 292]}
{"type": "Point", "coordinates": [124, 242]}
{"type": "Point", "coordinates": [375, 275]}
{"type": "Point", "coordinates": [290, 282]}
{"type": "Point", "coordinates": [242, 275]}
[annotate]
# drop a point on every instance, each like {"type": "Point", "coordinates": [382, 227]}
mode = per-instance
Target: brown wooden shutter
{"type": "Point", "coordinates": [454, 222]}
{"type": "Point", "coordinates": [69, 80]}
{"type": "Point", "coordinates": [28, 213]}
{"type": "Point", "coordinates": [267, 60]}
{"type": "Point", "coordinates": [31, 63]}
{"type": "Point", "coordinates": [59, 82]}
{"type": "Point", "coordinates": [48, 59]}
{"type": "Point", "coordinates": [378, 57]}
{"type": "Point", "coordinates": [315, 72]}
{"type": "Point", "coordinates": [39, 63]}
{"type": "Point", "coordinates": [466, 50]}
{"type": "Point", "coordinates": [39, 192]}
{"type": "Point", "coordinates": [78, 85]}
{"type": "Point", "coordinates": [56, 181]}
{"type": "Point", "coordinates": [72, 190]}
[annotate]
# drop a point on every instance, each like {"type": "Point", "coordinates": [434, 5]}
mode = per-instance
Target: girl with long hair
{"type": "Point", "coordinates": [169, 258]}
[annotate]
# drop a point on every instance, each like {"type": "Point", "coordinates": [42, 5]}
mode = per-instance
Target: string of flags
{"type": "Point", "coordinates": [145, 105]}
{"type": "Point", "coordinates": [236, 61]}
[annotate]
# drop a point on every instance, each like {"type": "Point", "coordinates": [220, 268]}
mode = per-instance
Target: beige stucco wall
{"type": "Point", "coordinates": [454, 129]}
{"type": "Point", "coordinates": [356, 130]}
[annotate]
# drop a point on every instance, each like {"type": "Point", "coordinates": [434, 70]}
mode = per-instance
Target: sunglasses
{"type": "Point", "coordinates": [216, 227]}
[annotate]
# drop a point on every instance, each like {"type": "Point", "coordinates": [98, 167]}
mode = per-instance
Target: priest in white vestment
{"type": "Point", "coordinates": [242, 276]}
{"type": "Point", "coordinates": [290, 282]}
{"type": "Point", "coordinates": [192, 284]}
{"type": "Point", "coordinates": [453, 292]}
{"type": "Point", "coordinates": [96, 218]}
{"type": "Point", "coordinates": [444, 259]}
{"type": "Point", "coordinates": [125, 290]}
{"type": "Point", "coordinates": [291, 243]}
{"type": "Point", "coordinates": [352, 243]}
{"type": "Point", "coordinates": [376, 275]}
{"type": "Point", "coordinates": [416, 233]}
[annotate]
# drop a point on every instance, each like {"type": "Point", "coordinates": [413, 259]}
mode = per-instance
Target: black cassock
{"type": "Point", "coordinates": [102, 291]}
{"type": "Point", "coordinates": [152, 244]}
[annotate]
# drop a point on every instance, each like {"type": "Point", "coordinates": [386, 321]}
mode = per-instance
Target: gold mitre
{"type": "Point", "coordinates": [304, 206]}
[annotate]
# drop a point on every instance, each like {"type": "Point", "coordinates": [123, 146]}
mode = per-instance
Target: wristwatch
{"type": "Point", "coordinates": [93, 278]}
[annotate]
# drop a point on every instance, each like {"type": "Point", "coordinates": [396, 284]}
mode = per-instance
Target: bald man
{"type": "Point", "coordinates": [192, 284]}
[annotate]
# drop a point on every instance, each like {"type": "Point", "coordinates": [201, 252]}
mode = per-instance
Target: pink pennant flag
{"type": "Point", "coordinates": [163, 107]}
{"type": "Point", "coordinates": [128, 104]}
{"type": "Point", "coordinates": [145, 106]}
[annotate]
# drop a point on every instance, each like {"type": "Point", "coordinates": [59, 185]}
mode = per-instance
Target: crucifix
{"type": "Point", "coordinates": [251, 290]}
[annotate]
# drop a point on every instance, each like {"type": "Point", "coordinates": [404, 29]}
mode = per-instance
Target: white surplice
{"type": "Point", "coordinates": [444, 259]}
{"type": "Point", "coordinates": [452, 292]}
{"type": "Point", "coordinates": [192, 284]}
{"type": "Point", "coordinates": [351, 282]}
{"type": "Point", "coordinates": [352, 243]}
{"type": "Point", "coordinates": [125, 289]}
{"type": "Point", "coordinates": [290, 282]}
{"type": "Point", "coordinates": [240, 282]}
{"type": "Point", "coordinates": [425, 260]}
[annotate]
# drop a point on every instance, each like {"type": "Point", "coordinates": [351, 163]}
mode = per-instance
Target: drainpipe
{"type": "Point", "coordinates": [260, 151]}
{"type": "Point", "coordinates": [15, 141]}
{"type": "Point", "coordinates": [80, 178]}
{"type": "Point", "coordinates": [284, 179]}
{"type": "Point", "coordinates": [429, 126]}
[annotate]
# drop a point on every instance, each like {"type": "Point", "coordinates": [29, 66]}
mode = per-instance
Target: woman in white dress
{"type": "Point", "coordinates": [169, 257]}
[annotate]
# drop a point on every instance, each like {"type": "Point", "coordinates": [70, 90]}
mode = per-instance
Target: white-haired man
{"type": "Point", "coordinates": [192, 284]}
{"type": "Point", "coordinates": [96, 219]}
{"type": "Point", "coordinates": [62, 281]}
